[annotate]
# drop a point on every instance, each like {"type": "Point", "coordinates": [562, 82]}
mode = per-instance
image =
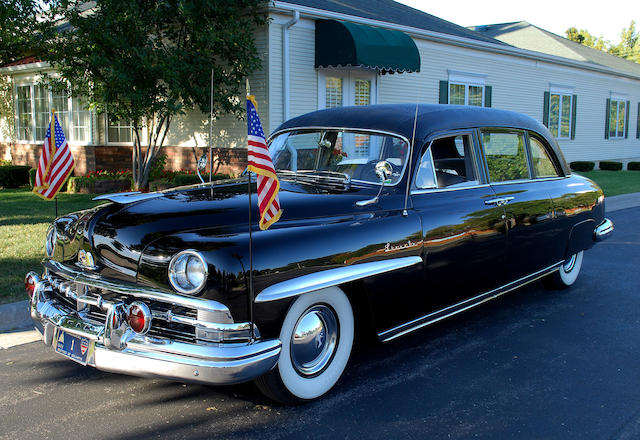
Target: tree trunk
{"type": "Point", "coordinates": [143, 161]}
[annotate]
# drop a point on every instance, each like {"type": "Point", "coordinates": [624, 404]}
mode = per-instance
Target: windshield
{"type": "Point", "coordinates": [349, 152]}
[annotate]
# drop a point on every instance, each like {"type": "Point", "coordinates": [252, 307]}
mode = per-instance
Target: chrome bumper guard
{"type": "Point", "coordinates": [116, 348]}
{"type": "Point", "coordinates": [603, 231]}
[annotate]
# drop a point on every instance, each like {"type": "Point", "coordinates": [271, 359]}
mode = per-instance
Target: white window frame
{"type": "Point", "coordinates": [69, 136]}
{"type": "Point", "coordinates": [349, 77]}
{"type": "Point", "coordinates": [561, 91]}
{"type": "Point", "coordinates": [466, 79]}
{"type": "Point", "coordinates": [620, 99]}
{"type": "Point", "coordinates": [106, 133]}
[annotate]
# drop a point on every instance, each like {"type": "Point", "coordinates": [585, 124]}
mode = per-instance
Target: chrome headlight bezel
{"type": "Point", "coordinates": [174, 272]}
{"type": "Point", "coordinates": [50, 242]}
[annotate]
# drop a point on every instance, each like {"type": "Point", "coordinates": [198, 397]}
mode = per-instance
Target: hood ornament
{"type": "Point", "coordinates": [85, 260]}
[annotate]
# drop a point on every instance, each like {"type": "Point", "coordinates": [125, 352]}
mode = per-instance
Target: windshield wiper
{"type": "Point", "coordinates": [329, 179]}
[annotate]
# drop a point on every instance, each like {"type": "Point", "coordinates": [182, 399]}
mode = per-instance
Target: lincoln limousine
{"type": "Point", "coordinates": [394, 217]}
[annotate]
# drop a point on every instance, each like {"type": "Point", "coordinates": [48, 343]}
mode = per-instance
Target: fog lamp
{"type": "Point", "coordinates": [30, 281]}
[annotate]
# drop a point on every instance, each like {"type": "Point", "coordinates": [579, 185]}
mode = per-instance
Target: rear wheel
{"type": "Point", "coordinates": [317, 336]}
{"type": "Point", "coordinates": [566, 275]}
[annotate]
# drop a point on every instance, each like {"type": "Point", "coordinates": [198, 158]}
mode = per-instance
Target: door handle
{"type": "Point", "coordinates": [499, 201]}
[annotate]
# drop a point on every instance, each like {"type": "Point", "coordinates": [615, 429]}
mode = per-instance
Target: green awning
{"type": "Point", "coordinates": [341, 44]}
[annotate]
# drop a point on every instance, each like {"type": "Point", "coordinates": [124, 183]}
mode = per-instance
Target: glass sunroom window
{"type": "Point", "coordinates": [24, 121]}
{"type": "Point", "coordinates": [81, 120]}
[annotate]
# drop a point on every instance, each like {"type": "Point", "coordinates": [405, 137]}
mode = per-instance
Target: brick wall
{"type": "Point", "coordinates": [90, 158]}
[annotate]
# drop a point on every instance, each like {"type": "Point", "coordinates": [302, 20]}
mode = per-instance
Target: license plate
{"type": "Point", "coordinates": [74, 347]}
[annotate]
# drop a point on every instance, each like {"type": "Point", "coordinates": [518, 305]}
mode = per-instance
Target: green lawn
{"type": "Point", "coordinates": [615, 182]}
{"type": "Point", "coordinates": [24, 218]}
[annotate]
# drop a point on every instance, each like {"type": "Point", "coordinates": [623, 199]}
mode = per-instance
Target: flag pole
{"type": "Point", "coordinates": [250, 241]}
{"type": "Point", "coordinates": [52, 137]}
{"type": "Point", "coordinates": [211, 132]}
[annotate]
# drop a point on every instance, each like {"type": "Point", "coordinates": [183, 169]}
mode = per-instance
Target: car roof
{"type": "Point", "coordinates": [432, 118]}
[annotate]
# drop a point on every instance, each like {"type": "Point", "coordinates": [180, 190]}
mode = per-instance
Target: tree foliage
{"type": "Point", "coordinates": [147, 61]}
{"type": "Point", "coordinates": [628, 47]}
{"type": "Point", "coordinates": [19, 28]}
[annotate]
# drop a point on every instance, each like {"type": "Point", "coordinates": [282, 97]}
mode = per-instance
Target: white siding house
{"type": "Point", "coordinates": [577, 97]}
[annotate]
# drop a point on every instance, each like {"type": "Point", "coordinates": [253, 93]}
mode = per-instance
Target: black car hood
{"type": "Point", "coordinates": [118, 234]}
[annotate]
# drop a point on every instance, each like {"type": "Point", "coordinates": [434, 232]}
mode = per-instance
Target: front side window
{"type": "Point", "coordinates": [541, 160]}
{"type": "Point", "coordinates": [560, 115]}
{"type": "Point", "coordinates": [338, 151]}
{"type": "Point", "coordinates": [617, 119]}
{"type": "Point", "coordinates": [466, 94]}
{"type": "Point", "coordinates": [506, 156]}
{"type": "Point", "coordinates": [453, 163]}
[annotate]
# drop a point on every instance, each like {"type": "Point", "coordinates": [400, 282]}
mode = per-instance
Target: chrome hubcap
{"type": "Point", "coordinates": [568, 264]}
{"type": "Point", "coordinates": [314, 340]}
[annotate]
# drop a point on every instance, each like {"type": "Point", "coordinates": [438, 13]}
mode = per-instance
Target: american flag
{"type": "Point", "coordinates": [260, 163]}
{"type": "Point", "coordinates": [56, 162]}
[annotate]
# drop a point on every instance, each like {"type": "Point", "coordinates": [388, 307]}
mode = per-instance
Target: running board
{"type": "Point", "coordinates": [467, 304]}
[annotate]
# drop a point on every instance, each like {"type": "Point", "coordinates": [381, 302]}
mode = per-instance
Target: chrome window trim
{"type": "Point", "coordinates": [447, 189]}
{"type": "Point", "coordinates": [454, 309]}
{"type": "Point", "coordinates": [332, 277]}
{"type": "Point", "coordinates": [542, 179]}
{"type": "Point", "coordinates": [354, 130]}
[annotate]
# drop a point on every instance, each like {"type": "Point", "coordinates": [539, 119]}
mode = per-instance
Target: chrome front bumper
{"type": "Point", "coordinates": [603, 230]}
{"type": "Point", "coordinates": [220, 364]}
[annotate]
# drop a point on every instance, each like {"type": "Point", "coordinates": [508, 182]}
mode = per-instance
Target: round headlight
{"type": "Point", "coordinates": [188, 272]}
{"type": "Point", "coordinates": [50, 244]}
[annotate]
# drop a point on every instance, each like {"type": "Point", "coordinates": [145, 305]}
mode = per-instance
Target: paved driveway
{"type": "Point", "coordinates": [532, 364]}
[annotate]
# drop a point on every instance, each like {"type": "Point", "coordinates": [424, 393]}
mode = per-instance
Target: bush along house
{"type": "Point", "coordinates": [320, 54]}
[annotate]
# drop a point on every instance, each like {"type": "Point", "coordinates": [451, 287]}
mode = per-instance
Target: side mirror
{"type": "Point", "coordinates": [383, 170]}
{"type": "Point", "coordinates": [201, 165]}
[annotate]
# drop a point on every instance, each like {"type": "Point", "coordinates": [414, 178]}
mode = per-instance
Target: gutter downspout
{"type": "Point", "coordinates": [285, 62]}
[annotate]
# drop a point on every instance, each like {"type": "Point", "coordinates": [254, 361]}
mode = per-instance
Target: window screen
{"type": "Point", "coordinates": [506, 157]}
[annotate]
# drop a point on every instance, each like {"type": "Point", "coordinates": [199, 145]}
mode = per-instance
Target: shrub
{"type": "Point", "coordinates": [582, 165]}
{"type": "Point", "coordinates": [633, 166]}
{"type": "Point", "coordinates": [610, 166]}
{"type": "Point", "coordinates": [14, 176]}
{"type": "Point", "coordinates": [4, 163]}
{"type": "Point", "coordinates": [185, 179]}
{"type": "Point", "coordinates": [157, 167]}
{"type": "Point", "coordinates": [32, 176]}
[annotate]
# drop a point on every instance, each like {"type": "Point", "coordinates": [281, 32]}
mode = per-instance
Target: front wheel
{"type": "Point", "coordinates": [317, 336]}
{"type": "Point", "coordinates": [567, 274]}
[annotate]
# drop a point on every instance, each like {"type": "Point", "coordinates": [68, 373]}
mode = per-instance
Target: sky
{"type": "Point", "coordinates": [553, 15]}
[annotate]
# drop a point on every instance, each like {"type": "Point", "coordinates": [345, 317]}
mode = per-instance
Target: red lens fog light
{"type": "Point", "coordinates": [139, 317]}
{"type": "Point", "coordinates": [30, 282]}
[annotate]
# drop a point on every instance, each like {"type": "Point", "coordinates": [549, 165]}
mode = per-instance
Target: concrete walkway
{"type": "Point", "coordinates": [15, 316]}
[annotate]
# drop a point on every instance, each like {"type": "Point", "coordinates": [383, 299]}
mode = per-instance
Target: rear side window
{"type": "Point", "coordinates": [506, 156]}
{"type": "Point", "coordinates": [540, 160]}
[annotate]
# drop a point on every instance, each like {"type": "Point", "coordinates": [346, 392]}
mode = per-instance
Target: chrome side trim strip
{"type": "Point", "coordinates": [207, 305]}
{"type": "Point", "coordinates": [467, 304]}
{"type": "Point", "coordinates": [603, 230]}
{"type": "Point", "coordinates": [332, 277]}
{"type": "Point", "coordinates": [127, 197]}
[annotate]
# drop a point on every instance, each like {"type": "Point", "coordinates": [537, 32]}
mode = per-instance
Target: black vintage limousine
{"type": "Point", "coordinates": [394, 215]}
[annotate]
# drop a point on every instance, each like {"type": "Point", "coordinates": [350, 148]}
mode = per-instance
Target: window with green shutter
{"type": "Point", "coordinates": [465, 89]}
{"type": "Point", "coordinates": [618, 118]}
{"type": "Point", "coordinates": [560, 113]}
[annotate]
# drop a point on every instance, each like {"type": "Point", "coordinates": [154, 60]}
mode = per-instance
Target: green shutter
{"type": "Point", "coordinates": [626, 120]}
{"type": "Point", "coordinates": [606, 119]}
{"type": "Point", "coordinates": [545, 109]}
{"type": "Point", "coordinates": [444, 92]}
{"type": "Point", "coordinates": [573, 116]}
{"type": "Point", "coordinates": [487, 96]}
{"type": "Point", "coordinates": [638, 123]}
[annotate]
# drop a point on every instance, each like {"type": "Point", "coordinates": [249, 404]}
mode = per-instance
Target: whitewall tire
{"type": "Point", "coordinates": [567, 274]}
{"type": "Point", "coordinates": [317, 337]}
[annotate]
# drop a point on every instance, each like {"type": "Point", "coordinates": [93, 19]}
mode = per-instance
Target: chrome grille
{"type": "Point", "coordinates": [160, 328]}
